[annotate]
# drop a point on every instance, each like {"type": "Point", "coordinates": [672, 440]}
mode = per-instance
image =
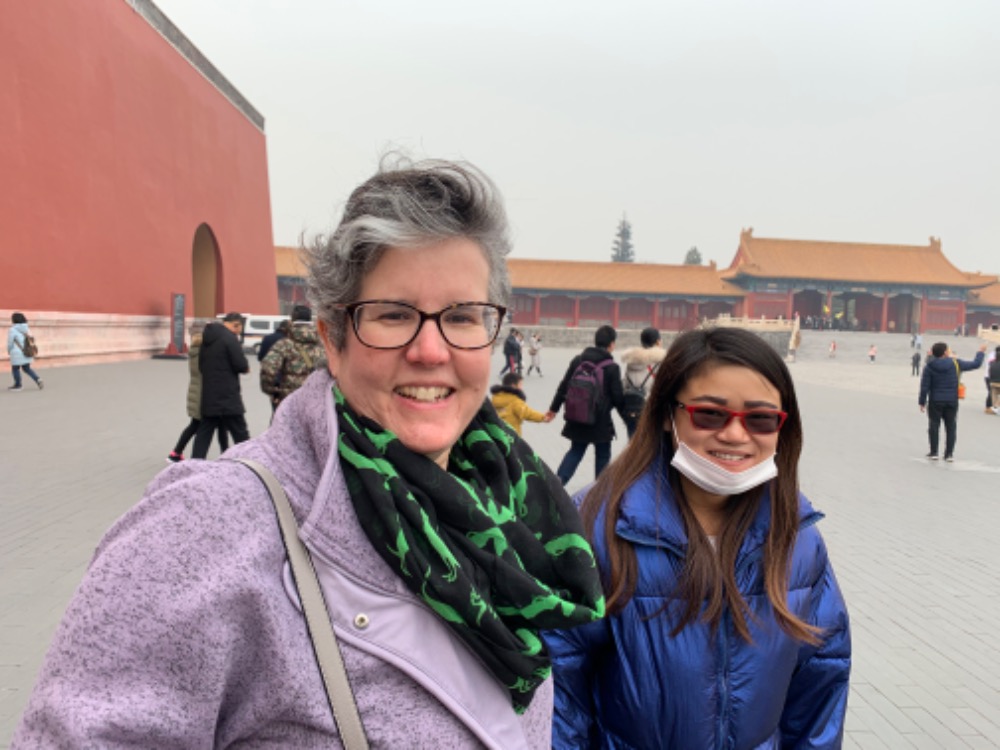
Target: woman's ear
{"type": "Point", "coordinates": [332, 354]}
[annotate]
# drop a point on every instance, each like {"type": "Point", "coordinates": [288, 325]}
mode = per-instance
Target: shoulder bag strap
{"type": "Point", "coordinates": [324, 641]}
{"type": "Point", "coordinates": [652, 369]}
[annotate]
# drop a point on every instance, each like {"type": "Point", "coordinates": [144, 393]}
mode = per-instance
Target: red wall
{"type": "Point", "coordinates": [114, 150]}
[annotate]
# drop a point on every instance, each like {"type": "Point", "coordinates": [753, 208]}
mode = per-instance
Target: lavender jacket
{"type": "Point", "coordinates": [186, 630]}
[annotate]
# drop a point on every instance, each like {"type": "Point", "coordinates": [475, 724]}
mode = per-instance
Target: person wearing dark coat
{"type": "Point", "coordinates": [939, 395]}
{"type": "Point", "coordinates": [602, 432]}
{"type": "Point", "coordinates": [221, 362]}
{"type": "Point", "coordinates": [271, 339]}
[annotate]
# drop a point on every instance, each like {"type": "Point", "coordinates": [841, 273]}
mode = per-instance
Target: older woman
{"type": "Point", "coordinates": [411, 496]}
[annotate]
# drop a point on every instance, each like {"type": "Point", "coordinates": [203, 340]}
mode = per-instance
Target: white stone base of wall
{"type": "Point", "coordinates": [90, 338]}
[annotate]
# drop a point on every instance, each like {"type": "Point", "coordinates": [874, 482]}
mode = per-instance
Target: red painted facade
{"type": "Point", "coordinates": [115, 150]}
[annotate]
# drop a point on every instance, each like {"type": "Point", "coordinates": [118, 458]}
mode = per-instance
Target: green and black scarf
{"type": "Point", "coordinates": [493, 545]}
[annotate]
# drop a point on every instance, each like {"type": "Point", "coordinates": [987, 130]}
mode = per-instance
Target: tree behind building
{"type": "Point", "coordinates": [622, 251]}
{"type": "Point", "coordinates": [693, 257]}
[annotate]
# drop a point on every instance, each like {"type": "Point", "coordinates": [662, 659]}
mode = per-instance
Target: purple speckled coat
{"type": "Point", "coordinates": [186, 633]}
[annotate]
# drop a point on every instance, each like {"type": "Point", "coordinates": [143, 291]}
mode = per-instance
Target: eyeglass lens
{"type": "Point", "coordinates": [394, 324]}
{"type": "Point", "coordinates": [759, 422]}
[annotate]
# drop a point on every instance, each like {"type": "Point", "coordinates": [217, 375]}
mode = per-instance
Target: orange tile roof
{"type": "Point", "coordinates": [988, 296]}
{"type": "Point", "coordinates": [288, 261]}
{"type": "Point", "coordinates": [641, 278]}
{"type": "Point", "coordinates": [762, 257]}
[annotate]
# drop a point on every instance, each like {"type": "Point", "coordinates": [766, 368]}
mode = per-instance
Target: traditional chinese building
{"type": "Point", "coordinates": [626, 295]}
{"type": "Point", "coordinates": [133, 170]}
{"type": "Point", "coordinates": [983, 307]}
{"type": "Point", "coordinates": [291, 278]}
{"type": "Point", "coordinates": [905, 288]}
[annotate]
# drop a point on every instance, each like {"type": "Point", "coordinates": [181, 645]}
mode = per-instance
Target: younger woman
{"type": "Point", "coordinates": [726, 627]}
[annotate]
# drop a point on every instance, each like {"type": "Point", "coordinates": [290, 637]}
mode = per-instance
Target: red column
{"type": "Point", "coordinates": [748, 307]}
{"type": "Point", "coordinates": [614, 313]}
{"type": "Point", "coordinates": [885, 312]}
{"type": "Point", "coordinates": [790, 305]}
{"type": "Point", "coordinates": [576, 312]}
{"type": "Point", "coordinates": [695, 311]}
{"type": "Point", "coordinates": [656, 314]}
{"type": "Point", "coordinates": [538, 309]}
{"type": "Point", "coordinates": [923, 313]}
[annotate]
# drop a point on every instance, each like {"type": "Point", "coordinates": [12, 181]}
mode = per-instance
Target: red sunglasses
{"type": "Point", "coordinates": [754, 421]}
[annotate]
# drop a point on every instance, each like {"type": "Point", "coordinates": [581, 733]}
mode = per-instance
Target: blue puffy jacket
{"type": "Point", "coordinates": [939, 381]}
{"type": "Point", "coordinates": [625, 682]}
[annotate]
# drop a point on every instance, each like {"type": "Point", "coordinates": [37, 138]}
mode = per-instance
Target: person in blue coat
{"type": "Point", "coordinates": [939, 395]}
{"type": "Point", "coordinates": [17, 338]}
{"type": "Point", "coordinates": [726, 627]}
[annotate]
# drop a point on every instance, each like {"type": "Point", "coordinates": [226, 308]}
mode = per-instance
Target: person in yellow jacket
{"type": "Point", "coordinates": [511, 405]}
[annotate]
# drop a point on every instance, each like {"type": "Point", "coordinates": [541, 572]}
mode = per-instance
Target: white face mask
{"type": "Point", "coordinates": [713, 478]}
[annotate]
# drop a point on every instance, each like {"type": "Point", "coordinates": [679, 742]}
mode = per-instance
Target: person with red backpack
{"type": "Point", "coordinates": [590, 389]}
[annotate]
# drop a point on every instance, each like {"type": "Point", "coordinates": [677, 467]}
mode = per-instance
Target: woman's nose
{"type": "Point", "coordinates": [734, 431]}
{"type": "Point", "coordinates": [429, 346]}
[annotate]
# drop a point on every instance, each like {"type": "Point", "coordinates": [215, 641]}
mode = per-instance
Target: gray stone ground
{"type": "Point", "coordinates": [914, 543]}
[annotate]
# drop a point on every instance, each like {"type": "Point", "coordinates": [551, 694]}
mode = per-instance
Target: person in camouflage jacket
{"type": "Point", "coordinates": [292, 359]}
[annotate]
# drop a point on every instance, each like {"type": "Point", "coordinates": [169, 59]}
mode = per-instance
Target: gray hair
{"type": "Point", "coordinates": [406, 205]}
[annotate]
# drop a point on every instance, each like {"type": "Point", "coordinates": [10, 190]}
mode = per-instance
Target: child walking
{"type": "Point", "coordinates": [511, 404]}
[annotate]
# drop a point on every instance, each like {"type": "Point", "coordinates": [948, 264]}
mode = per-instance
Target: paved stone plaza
{"type": "Point", "coordinates": [914, 543]}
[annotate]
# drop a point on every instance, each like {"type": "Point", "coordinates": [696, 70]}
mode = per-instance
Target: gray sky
{"type": "Point", "coordinates": [855, 120]}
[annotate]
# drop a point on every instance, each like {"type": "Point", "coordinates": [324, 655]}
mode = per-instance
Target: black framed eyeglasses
{"type": "Point", "coordinates": [386, 324]}
{"type": "Point", "coordinates": [754, 421]}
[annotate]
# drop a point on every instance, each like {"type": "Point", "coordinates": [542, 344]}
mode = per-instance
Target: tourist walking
{"type": "Point", "coordinates": [194, 401]}
{"type": "Point", "coordinates": [535, 352]}
{"type": "Point", "coordinates": [640, 365]}
{"type": "Point", "coordinates": [939, 395]}
{"type": "Point", "coordinates": [512, 405]}
{"type": "Point", "coordinates": [22, 350]}
{"type": "Point", "coordinates": [872, 352]}
{"type": "Point", "coordinates": [726, 627]}
{"type": "Point", "coordinates": [993, 383]}
{"type": "Point", "coordinates": [591, 389]}
{"type": "Point", "coordinates": [273, 338]}
{"type": "Point", "coordinates": [221, 362]}
{"type": "Point", "coordinates": [442, 544]}
{"type": "Point", "coordinates": [915, 362]}
{"type": "Point", "coordinates": [511, 352]}
{"type": "Point", "coordinates": [292, 359]}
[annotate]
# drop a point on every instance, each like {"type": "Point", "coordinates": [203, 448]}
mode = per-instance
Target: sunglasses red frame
{"type": "Point", "coordinates": [693, 409]}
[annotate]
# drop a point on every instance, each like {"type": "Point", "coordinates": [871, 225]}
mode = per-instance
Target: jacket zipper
{"type": "Point", "coordinates": [724, 636]}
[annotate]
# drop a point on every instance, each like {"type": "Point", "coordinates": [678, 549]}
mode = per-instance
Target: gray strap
{"type": "Point", "coordinates": [324, 641]}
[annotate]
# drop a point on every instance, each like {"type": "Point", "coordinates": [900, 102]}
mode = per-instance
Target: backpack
{"type": "Point", "coordinates": [634, 396]}
{"type": "Point", "coordinates": [585, 393]}
{"type": "Point", "coordinates": [28, 345]}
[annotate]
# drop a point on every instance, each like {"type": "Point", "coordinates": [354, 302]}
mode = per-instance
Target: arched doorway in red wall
{"type": "Point", "coordinates": [206, 267]}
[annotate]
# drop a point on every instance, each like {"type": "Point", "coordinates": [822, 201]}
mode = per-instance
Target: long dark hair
{"type": "Point", "coordinates": [709, 576]}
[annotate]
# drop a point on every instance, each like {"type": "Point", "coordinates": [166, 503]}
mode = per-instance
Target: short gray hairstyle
{"type": "Point", "coordinates": [408, 205]}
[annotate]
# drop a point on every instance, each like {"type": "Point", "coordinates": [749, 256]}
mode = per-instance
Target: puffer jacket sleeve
{"type": "Point", "coordinates": [813, 717]}
{"type": "Point", "coordinates": [526, 413]}
{"type": "Point", "coordinates": [575, 655]}
{"type": "Point", "coordinates": [974, 364]}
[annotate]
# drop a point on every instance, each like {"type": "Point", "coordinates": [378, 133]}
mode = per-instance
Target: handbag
{"type": "Point", "coordinates": [324, 641]}
{"type": "Point", "coordinates": [961, 385]}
